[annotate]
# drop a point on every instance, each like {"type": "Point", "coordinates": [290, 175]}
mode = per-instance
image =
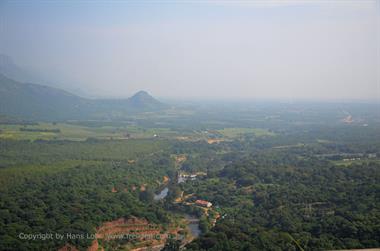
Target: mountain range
{"type": "Point", "coordinates": [10, 69]}
{"type": "Point", "coordinates": [39, 102]}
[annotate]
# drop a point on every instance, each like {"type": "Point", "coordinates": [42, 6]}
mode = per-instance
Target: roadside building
{"type": "Point", "coordinates": [203, 203]}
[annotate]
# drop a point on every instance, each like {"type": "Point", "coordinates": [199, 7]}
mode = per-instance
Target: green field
{"type": "Point", "coordinates": [238, 132]}
{"type": "Point", "coordinates": [74, 132]}
{"type": "Point", "coordinates": [348, 163]}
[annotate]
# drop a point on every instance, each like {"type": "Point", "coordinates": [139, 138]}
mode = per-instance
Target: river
{"type": "Point", "coordinates": [162, 194]}
{"type": "Point", "coordinates": [193, 221]}
{"type": "Point", "coordinates": [193, 225]}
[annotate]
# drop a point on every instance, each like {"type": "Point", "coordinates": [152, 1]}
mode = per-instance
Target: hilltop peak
{"type": "Point", "coordinates": [141, 94]}
{"type": "Point", "coordinates": [142, 97]}
{"type": "Point", "coordinates": [143, 100]}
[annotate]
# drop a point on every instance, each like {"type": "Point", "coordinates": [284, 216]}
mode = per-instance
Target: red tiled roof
{"type": "Point", "coordinates": [202, 202]}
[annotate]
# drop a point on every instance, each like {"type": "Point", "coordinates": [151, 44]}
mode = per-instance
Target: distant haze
{"type": "Point", "coordinates": [217, 49]}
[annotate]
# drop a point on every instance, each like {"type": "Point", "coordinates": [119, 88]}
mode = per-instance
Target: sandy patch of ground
{"type": "Point", "coordinates": [180, 158]}
{"type": "Point", "coordinates": [214, 141]}
{"type": "Point", "coordinates": [149, 236]}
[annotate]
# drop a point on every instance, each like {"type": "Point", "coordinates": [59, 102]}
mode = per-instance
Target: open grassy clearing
{"type": "Point", "coordinates": [63, 131]}
{"type": "Point", "coordinates": [238, 132]}
{"type": "Point", "coordinates": [347, 163]}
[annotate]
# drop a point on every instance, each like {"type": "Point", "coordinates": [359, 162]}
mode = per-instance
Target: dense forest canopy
{"type": "Point", "coordinates": [276, 179]}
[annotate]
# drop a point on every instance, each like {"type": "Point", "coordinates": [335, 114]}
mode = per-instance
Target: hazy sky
{"type": "Point", "coordinates": [268, 49]}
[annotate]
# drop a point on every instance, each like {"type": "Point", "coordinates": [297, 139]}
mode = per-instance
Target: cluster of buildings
{"type": "Point", "coordinates": [182, 177]}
